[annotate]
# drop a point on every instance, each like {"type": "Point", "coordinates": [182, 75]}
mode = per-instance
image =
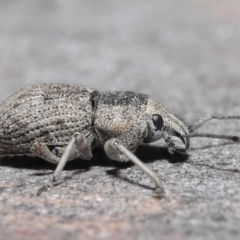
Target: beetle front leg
{"type": "Point", "coordinates": [117, 151]}
{"type": "Point", "coordinates": [78, 146]}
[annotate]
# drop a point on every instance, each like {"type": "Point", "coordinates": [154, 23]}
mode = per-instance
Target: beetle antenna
{"type": "Point", "coordinates": [209, 135]}
{"type": "Point", "coordinates": [193, 127]}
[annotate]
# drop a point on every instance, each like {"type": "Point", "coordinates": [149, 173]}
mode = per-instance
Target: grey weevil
{"type": "Point", "coordinates": [62, 122]}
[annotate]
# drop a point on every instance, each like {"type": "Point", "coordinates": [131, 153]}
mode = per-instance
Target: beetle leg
{"type": "Point", "coordinates": [41, 150]}
{"type": "Point", "coordinates": [116, 150]}
{"type": "Point", "coordinates": [78, 143]}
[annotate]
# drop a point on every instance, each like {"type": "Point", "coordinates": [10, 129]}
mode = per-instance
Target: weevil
{"type": "Point", "coordinates": [62, 122]}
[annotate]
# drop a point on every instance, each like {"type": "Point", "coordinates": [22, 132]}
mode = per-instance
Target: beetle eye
{"type": "Point", "coordinates": [157, 121]}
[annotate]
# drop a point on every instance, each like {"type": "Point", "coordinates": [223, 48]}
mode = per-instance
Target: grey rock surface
{"type": "Point", "coordinates": [185, 54]}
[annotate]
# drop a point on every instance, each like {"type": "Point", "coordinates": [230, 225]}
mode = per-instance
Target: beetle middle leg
{"type": "Point", "coordinates": [115, 150]}
{"type": "Point", "coordinates": [77, 147]}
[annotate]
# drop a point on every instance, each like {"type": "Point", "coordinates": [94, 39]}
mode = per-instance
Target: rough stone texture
{"type": "Point", "coordinates": [184, 53]}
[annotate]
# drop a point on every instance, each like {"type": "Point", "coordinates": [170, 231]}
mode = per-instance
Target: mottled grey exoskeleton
{"type": "Point", "coordinates": [62, 122]}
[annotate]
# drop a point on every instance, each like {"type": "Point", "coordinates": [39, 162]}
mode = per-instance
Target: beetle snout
{"type": "Point", "coordinates": [176, 141]}
{"type": "Point", "coordinates": [180, 144]}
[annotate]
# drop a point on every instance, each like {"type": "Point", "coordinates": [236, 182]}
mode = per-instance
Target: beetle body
{"type": "Point", "coordinates": [51, 113]}
{"type": "Point", "coordinates": [62, 122]}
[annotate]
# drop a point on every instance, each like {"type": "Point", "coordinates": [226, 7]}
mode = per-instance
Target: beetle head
{"type": "Point", "coordinates": [163, 124]}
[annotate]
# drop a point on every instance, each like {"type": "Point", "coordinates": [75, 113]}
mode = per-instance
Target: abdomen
{"type": "Point", "coordinates": [49, 112]}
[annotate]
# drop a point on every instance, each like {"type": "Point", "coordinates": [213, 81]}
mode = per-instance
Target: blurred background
{"type": "Point", "coordinates": [184, 53]}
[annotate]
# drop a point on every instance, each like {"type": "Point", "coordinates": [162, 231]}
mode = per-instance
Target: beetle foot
{"type": "Point", "coordinates": [159, 193]}
{"type": "Point", "coordinates": [51, 183]}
